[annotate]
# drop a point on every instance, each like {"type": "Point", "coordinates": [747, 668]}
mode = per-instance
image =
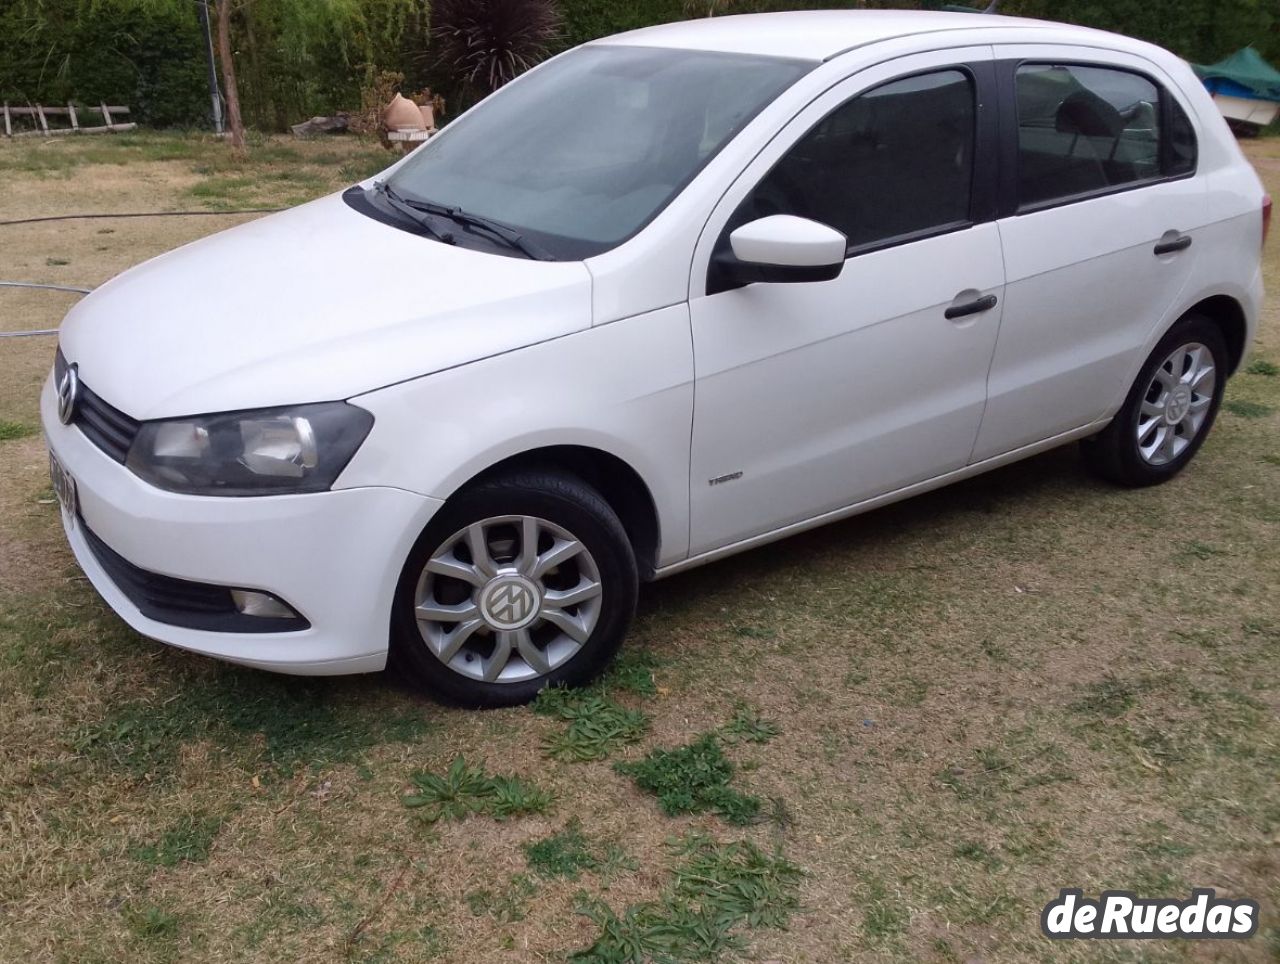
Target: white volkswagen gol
{"type": "Point", "coordinates": [669, 296]}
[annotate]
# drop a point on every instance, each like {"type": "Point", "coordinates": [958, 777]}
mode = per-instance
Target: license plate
{"type": "Point", "coordinates": [64, 487]}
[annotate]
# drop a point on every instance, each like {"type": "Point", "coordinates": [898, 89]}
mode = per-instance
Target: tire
{"type": "Point", "coordinates": [507, 604]}
{"type": "Point", "coordinates": [1136, 448]}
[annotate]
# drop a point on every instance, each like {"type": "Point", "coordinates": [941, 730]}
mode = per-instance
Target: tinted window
{"type": "Point", "coordinates": [584, 151]}
{"type": "Point", "coordinates": [895, 161]}
{"type": "Point", "coordinates": [1083, 130]}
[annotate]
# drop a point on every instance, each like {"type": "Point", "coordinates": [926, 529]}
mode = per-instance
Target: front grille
{"type": "Point", "coordinates": [181, 602]}
{"type": "Point", "coordinates": [105, 426]}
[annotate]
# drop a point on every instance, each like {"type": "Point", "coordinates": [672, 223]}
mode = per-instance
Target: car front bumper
{"type": "Point", "coordinates": [335, 556]}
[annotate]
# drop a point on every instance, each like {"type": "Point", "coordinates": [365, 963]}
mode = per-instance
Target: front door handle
{"type": "Point", "coordinates": [1172, 243]}
{"type": "Point", "coordinates": [977, 306]}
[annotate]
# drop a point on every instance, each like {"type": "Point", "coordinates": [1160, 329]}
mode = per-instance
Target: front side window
{"type": "Point", "coordinates": [581, 154]}
{"type": "Point", "coordinates": [893, 162]}
{"type": "Point", "coordinates": [1084, 130]}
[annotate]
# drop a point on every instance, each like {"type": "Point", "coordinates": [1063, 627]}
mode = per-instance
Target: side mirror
{"type": "Point", "coordinates": [782, 248]}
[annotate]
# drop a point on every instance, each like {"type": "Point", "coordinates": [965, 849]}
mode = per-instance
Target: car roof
{"type": "Point", "coordinates": [822, 34]}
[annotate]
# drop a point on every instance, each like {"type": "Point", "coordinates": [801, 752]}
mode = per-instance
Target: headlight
{"type": "Point", "coordinates": [268, 451]}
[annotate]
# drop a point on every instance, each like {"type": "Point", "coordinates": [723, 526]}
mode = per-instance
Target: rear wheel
{"type": "Point", "coordinates": [520, 583]}
{"type": "Point", "coordinates": [1169, 410]}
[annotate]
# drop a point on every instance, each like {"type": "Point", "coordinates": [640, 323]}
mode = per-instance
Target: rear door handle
{"type": "Point", "coordinates": [1174, 244]}
{"type": "Point", "coordinates": [977, 306]}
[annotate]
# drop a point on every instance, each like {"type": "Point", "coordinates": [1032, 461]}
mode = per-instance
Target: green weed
{"type": "Point", "coordinates": [569, 853]}
{"type": "Point", "coordinates": [747, 725]}
{"type": "Point", "coordinates": [693, 779]}
{"type": "Point", "coordinates": [1260, 366]}
{"type": "Point", "coordinates": [718, 889]}
{"type": "Point", "coordinates": [464, 790]}
{"type": "Point", "coordinates": [597, 724]}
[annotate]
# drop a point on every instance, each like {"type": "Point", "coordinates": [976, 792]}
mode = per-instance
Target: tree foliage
{"type": "Point", "coordinates": [294, 58]}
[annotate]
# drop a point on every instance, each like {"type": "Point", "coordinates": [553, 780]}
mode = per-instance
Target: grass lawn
{"type": "Point", "coordinates": [895, 738]}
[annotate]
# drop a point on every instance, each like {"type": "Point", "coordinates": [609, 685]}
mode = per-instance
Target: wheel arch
{"type": "Point", "coordinates": [615, 479]}
{"type": "Point", "coordinates": [1228, 314]}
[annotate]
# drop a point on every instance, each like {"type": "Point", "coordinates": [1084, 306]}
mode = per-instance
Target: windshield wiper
{"type": "Point", "coordinates": [411, 211]}
{"type": "Point", "coordinates": [512, 238]}
{"type": "Point", "coordinates": [504, 233]}
{"type": "Point", "coordinates": [414, 208]}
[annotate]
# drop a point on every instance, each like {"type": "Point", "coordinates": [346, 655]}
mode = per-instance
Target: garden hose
{"type": "Point", "coordinates": [73, 217]}
{"type": "Point", "coordinates": [138, 214]}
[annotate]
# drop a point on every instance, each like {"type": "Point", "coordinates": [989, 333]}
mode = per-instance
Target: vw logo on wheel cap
{"type": "Point", "coordinates": [509, 602]}
{"type": "Point", "coordinates": [68, 394]}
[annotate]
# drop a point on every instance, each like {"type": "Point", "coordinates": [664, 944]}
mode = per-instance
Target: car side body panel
{"type": "Point", "coordinates": [625, 389]}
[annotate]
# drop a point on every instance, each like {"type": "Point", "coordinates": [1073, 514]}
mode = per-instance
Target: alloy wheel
{"type": "Point", "coordinates": [508, 599]}
{"type": "Point", "coordinates": [1176, 404]}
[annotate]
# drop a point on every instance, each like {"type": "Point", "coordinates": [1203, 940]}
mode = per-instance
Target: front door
{"type": "Point", "coordinates": [811, 397]}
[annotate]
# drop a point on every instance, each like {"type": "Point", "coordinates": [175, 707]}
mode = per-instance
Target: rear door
{"type": "Point", "coordinates": [1102, 210]}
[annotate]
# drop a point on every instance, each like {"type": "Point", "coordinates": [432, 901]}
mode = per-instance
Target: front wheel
{"type": "Point", "coordinates": [519, 583]}
{"type": "Point", "coordinates": [1169, 410]}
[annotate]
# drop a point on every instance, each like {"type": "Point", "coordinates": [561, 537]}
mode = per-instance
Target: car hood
{"type": "Point", "coordinates": [316, 303]}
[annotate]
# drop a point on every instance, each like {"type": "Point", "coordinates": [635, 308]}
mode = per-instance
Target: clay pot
{"type": "Point", "coordinates": [402, 114]}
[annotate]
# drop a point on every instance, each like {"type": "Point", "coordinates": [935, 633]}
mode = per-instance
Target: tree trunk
{"type": "Point", "coordinates": [229, 88]}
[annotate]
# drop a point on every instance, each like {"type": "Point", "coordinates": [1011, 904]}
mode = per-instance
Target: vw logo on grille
{"type": "Point", "coordinates": [509, 602]}
{"type": "Point", "coordinates": [68, 394]}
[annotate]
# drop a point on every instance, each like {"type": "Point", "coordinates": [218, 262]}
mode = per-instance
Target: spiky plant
{"type": "Point", "coordinates": [486, 43]}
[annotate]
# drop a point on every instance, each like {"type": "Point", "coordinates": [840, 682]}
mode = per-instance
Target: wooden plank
{"type": "Point", "coordinates": [71, 109]}
{"type": "Point", "coordinates": [37, 110]}
{"type": "Point", "coordinates": [106, 114]}
{"type": "Point", "coordinates": [44, 124]}
{"type": "Point", "coordinates": [8, 125]}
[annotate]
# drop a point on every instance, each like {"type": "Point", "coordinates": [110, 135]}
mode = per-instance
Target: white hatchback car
{"type": "Point", "coordinates": [666, 297]}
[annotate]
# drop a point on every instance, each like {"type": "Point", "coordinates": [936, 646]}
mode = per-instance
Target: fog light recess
{"type": "Point", "coordinates": [261, 604]}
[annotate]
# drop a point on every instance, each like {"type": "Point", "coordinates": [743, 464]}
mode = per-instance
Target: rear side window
{"type": "Point", "coordinates": [1084, 130]}
{"type": "Point", "coordinates": [893, 162]}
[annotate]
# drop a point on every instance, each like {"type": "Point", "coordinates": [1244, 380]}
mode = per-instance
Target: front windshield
{"type": "Point", "coordinates": [582, 153]}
